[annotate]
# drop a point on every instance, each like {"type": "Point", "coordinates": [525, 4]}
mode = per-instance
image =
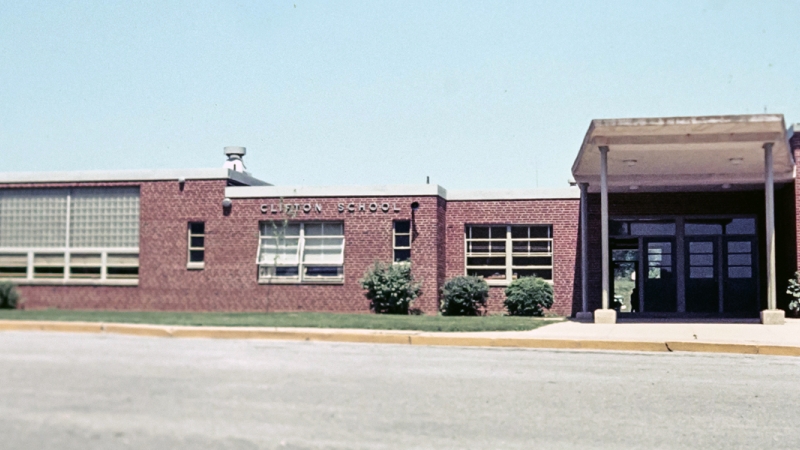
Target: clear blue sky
{"type": "Point", "coordinates": [476, 95]}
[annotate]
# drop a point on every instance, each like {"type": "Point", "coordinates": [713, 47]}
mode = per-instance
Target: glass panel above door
{"type": "Point", "coordinates": [741, 226]}
{"type": "Point", "coordinates": [705, 228]}
{"type": "Point", "coordinates": [653, 228]}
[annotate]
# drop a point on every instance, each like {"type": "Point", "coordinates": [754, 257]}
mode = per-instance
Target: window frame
{"type": "Point", "coordinates": [195, 265]}
{"type": "Point", "coordinates": [67, 277]}
{"type": "Point", "coordinates": [508, 254]}
{"type": "Point", "coordinates": [266, 272]}
{"type": "Point", "coordinates": [396, 247]}
{"type": "Point", "coordinates": [67, 249]}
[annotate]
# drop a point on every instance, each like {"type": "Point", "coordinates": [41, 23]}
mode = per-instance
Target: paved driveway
{"type": "Point", "coordinates": [74, 391]}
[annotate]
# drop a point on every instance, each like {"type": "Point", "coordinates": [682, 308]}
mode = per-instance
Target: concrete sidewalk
{"type": "Point", "coordinates": [749, 338]}
{"type": "Point", "coordinates": [664, 331]}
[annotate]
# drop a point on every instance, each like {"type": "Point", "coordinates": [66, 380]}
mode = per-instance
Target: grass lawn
{"type": "Point", "coordinates": [299, 319]}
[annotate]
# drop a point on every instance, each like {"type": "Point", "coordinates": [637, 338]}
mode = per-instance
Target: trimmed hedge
{"type": "Point", "coordinates": [390, 288]}
{"type": "Point", "coordinates": [9, 297]}
{"type": "Point", "coordinates": [464, 296]}
{"type": "Point", "coordinates": [529, 296]}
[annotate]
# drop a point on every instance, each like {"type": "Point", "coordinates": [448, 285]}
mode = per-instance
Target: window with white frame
{"type": "Point", "coordinates": [80, 235]}
{"type": "Point", "coordinates": [197, 245]}
{"type": "Point", "coordinates": [305, 252]}
{"type": "Point", "coordinates": [401, 240]}
{"type": "Point", "coordinates": [502, 253]}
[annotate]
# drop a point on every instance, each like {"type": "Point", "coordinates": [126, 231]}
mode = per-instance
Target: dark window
{"type": "Point", "coordinates": [197, 244]}
{"type": "Point", "coordinates": [501, 254]}
{"type": "Point", "coordinates": [401, 236]}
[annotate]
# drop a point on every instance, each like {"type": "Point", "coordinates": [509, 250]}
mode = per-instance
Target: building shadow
{"type": "Point", "coordinates": [681, 318]}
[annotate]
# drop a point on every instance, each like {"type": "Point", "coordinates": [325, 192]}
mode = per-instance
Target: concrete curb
{"type": "Point", "coordinates": [393, 337]}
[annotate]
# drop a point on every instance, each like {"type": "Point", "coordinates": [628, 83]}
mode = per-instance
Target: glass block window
{"type": "Point", "coordinates": [301, 252]}
{"type": "Point", "coordinates": [501, 253]}
{"type": "Point", "coordinates": [81, 235]}
{"type": "Point", "coordinates": [33, 217]}
{"type": "Point", "coordinates": [104, 217]}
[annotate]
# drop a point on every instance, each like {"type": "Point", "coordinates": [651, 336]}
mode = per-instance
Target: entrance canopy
{"type": "Point", "coordinates": [684, 153]}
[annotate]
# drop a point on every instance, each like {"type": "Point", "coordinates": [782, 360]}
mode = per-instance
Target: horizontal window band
{"type": "Point", "coordinates": [50, 250]}
{"type": "Point", "coordinates": [513, 239]}
{"type": "Point", "coordinates": [74, 282]}
{"type": "Point", "coordinates": [316, 264]}
{"type": "Point", "coordinates": [506, 283]}
{"type": "Point", "coordinates": [296, 282]}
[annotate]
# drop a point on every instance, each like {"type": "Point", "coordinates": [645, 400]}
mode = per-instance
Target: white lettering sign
{"type": "Point", "coordinates": [309, 208]}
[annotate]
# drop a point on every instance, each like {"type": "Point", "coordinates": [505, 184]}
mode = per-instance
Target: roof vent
{"type": "Point", "coordinates": [234, 161]}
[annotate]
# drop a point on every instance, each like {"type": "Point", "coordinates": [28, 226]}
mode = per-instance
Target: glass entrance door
{"type": "Point", "coordinates": [702, 274]}
{"type": "Point", "coordinates": [715, 269]}
{"type": "Point", "coordinates": [740, 282]}
{"type": "Point", "coordinates": [625, 265]}
{"type": "Point", "coordinates": [660, 280]}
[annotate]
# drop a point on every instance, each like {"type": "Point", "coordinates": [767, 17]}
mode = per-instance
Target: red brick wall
{"type": "Point", "coordinates": [368, 238]}
{"type": "Point", "coordinates": [441, 243]}
{"type": "Point", "coordinates": [563, 215]}
{"type": "Point", "coordinates": [229, 280]}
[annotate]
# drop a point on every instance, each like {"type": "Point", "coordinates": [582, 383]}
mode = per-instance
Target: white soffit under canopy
{"type": "Point", "coordinates": [684, 153]}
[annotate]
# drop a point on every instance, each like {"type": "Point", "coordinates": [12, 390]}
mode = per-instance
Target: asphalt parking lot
{"type": "Point", "coordinates": [91, 391]}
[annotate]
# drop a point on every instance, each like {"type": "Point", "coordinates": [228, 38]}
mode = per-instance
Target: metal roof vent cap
{"type": "Point", "coordinates": [234, 161]}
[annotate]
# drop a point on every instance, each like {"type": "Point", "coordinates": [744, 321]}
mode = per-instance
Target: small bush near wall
{"type": "Point", "coordinates": [390, 288]}
{"type": "Point", "coordinates": [464, 296]}
{"type": "Point", "coordinates": [794, 291]}
{"type": "Point", "coordinates": [529, 296]}
{"type": "Point", "coordinates": [9, 297]}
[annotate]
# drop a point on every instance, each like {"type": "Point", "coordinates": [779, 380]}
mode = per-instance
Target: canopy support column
{"type": "Point", "coordinates": [604, 315]}
{"type": "Point", "coordinates": [772, 315]}
{"type": "Point", "coordinates": [584, 313]}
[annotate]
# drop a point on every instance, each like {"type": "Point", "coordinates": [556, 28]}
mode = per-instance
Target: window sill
{"type": "Point", "coordinates": [196, 266]}
{"type": "Point", "coordinates": [299, 282]}
{"type": "Point", "coordinates": [72, 282]}
{"type": "Point", "coordinates": [505, 283]}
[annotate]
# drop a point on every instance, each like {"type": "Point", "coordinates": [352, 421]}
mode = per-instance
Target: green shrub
{"type": "Point", "coordinates": [528, 296]}
{"type": "Point", "coordinates": [390, 288]}
{"type": "Point", "coordinates": [464, 296]}
{"type": "Point", "coordinates": [794, 291]}
{"type": "Point", "coordinates": [9, 297]}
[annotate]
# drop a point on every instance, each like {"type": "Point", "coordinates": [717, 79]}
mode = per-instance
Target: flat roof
{"type": "Point", "coordinates": [684, 152]}
{"type": "Point", "coordinates": [515, 194]}
{"type": "Point", "coordinates": [793, 129]}
{"type": "Point", "coordinates": [129, 175]}
{"type": "Point", "coordinates": [410, 190]}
